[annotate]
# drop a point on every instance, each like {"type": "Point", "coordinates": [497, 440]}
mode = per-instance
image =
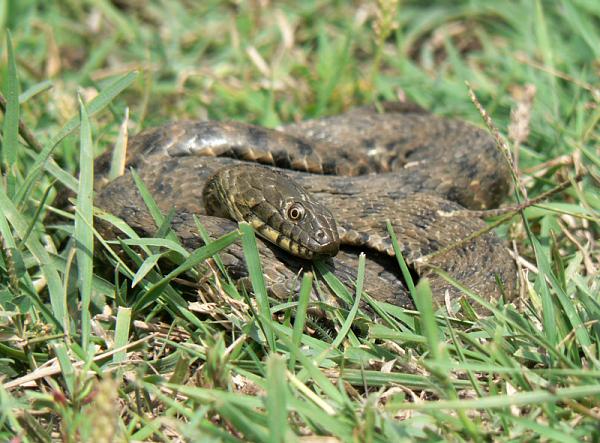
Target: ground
{"type": "Point", "coordinates": [87, 356]}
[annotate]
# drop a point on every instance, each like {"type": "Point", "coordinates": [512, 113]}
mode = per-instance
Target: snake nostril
{"type": "Point", "coordinates": [320, 234]}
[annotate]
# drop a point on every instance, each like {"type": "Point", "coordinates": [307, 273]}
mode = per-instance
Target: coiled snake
{"type": "Point", "coordinates": [423, 173]}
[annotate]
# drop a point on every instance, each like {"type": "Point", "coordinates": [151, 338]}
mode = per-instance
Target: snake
{"type": "Point", "coordinates": [325, 189]}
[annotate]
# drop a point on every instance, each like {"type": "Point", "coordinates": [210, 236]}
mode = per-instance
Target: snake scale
{"type": "Point", "coordinates": [426, 174]}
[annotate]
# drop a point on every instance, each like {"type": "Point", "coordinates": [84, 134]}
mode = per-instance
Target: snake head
{"type": "Point", "coordinates": [278, 209]}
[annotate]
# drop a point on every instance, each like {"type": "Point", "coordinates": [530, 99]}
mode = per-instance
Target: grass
{"type": "Point", "coordinates": [87, 356]}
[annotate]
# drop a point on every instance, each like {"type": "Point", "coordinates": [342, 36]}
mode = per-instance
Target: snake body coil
{"type": "Point", "coordinates": [422, 173]}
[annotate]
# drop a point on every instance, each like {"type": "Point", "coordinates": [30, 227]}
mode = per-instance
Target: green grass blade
{"type": "Point", "coordinates": [424, 303]}
{"type": "Point", "coordinates": [195, 258]}
{"type": "Point", "coordinates": [10, 129]}
{"type": "Point", "coordinates": [34, 90]}
{"type": "Point", "coordinates": [585, 27]}
{"type": "Point", "coordinates": [157, 242]}
{"type": "Point", "coordinates": [33, 244]}
{"type": "Point", "coordinates": [145, 268]}
{"type": "Point", "coordinates": [360, 278]}
{"type": "Point", "coordinates": [334, 283]}
{"type": "Point", "coordinates": [300, 318]}
{"type": "Point", "coordinates": [310, 370]}
{"type": "Point", "coordinates": [383, 333]}
{"type": "Point", "coordinates": [546, 50]}
{"type": "Point", "coordinates": [401, 262]}
{"type": "Point", "coordinates": [150, 203]}
{"type": "Point", "coordinates": [121, 333]}
{"type": "Point", "coordinates": [68, 372]}
{"type": "Point", "coordinates": [105, 97]}
{"type": "Point", "coordinates": [83, 233]}
{"type": "Point", "coordinates": [258, 281]}
{"type": "Point", "coordinates": [276, 403]}
{"type": "Point", "coordinates": [97, 56]}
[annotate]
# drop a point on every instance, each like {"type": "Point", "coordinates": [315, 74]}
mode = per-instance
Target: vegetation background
{"type": "Point", "coordinates": [86, 357]}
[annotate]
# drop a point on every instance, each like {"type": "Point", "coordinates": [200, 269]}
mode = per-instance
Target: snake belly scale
{"type": "Point", "coordinates": [425, 174]}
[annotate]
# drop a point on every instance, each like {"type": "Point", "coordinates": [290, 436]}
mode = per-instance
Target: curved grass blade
{"type": "Point", "coordinates": [145, 267]}
{"type": "Point", "coordinates": [152, 206]}
{"type": "Point", "coordinates": [195, 258]}
{"type": "Point", "coordinates": [41, 161]}
{"type": "Point", "coordinates": [360, 278]}
{"type": "Point", "coordinates": [157, 242]}
{"type": "Point", "coordinates": [34, 90]}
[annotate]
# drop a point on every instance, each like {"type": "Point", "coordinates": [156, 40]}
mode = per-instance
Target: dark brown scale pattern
{"type": "Point", "coordinates": [423, 173]}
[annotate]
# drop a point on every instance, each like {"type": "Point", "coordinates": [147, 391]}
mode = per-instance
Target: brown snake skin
{"type": "Point", "coordinates": [423, 173]}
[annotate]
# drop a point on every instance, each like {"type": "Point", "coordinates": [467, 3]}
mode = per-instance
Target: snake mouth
{"type": "Point", "coordinates": [329, 249]}
{"type": "Point", "coordinates": [313, 249]}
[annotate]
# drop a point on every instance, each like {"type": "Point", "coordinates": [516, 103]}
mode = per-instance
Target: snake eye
{"type": "Point", "coordinates": [296, 212]}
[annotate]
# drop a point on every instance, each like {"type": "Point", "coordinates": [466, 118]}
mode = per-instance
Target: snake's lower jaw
{"type": "Point", "coordinates": [327, 250]}
{"type": "Point", "coordinates": [313, 250]}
